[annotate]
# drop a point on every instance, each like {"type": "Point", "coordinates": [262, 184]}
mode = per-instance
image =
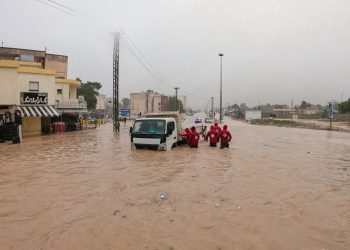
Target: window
{"type": "Point", "coordinates": [170, 127]}
{"type": "Point", "coordinates": [33, 86]}
{"type": "Point", "coordinates": [149, 127]}
{"type": "Point", "coordinates": [59, 91]}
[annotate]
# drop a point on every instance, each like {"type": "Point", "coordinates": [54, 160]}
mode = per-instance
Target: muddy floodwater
{"type": "Point", "coordinates": [274, 188]}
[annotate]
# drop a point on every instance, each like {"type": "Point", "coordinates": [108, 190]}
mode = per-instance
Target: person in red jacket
{"type": "Point", "coordinates": [194, 138]}
{"type": "Point", "coordinates": [225, 137]}
{"type": "Point", "coordinates": [186, 136]}
{"type": "Point", "coordinates": [218, 129]}
{"type": "Point", "coordinates": [212, 135]}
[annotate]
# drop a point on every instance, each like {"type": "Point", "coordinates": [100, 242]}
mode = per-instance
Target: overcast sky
{"type": "Point", "coordinates": [274, 50]}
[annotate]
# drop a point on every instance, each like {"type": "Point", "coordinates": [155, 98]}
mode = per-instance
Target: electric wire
{"type": "Point", "coordinates": [57, 8]}
{"type": "Point", "coordinates": [152, 69]}
{"type": "Point", "coordinates": [64, 6]}
{"type": "Point", "coordinates": [144, 57]}
{"type": "Point", "coordinates": [131, 50]}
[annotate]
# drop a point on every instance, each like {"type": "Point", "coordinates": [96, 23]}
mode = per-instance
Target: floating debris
{"type": "Point", "coordinates": [162, 197]}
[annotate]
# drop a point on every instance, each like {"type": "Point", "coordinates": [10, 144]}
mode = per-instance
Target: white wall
{"type": "Point", "coordinates": [252, 114]}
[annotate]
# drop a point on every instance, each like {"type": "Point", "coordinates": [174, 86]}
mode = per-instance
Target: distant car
{"type": "Point", "coordinates": [198, 120]}
{"type": "Point", "coordinates": [209, 120]}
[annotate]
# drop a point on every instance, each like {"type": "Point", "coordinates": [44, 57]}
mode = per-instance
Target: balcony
{"type": "Point", "coordinates": [71, 104]}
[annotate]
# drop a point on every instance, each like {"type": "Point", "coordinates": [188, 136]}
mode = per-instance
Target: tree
{"type": "Point", "coordinates": [89, 90]}
{"type": "Point", "coordinates": [344, 107]}
{"type": "Point", "coordinates": [243, 106]}
{"type": "Point", "coordinates": [266, 108]}
{"type": "Point", "coordinates": [235, 107]}
{"type": "Point", "coordinates": [125, 103]}
{"type": "Point", "coordinates": [305, 105]}
{"type": "Point", "coordinates": [172, 104]}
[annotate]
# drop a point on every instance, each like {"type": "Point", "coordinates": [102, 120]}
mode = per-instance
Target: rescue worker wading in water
{"type": "Point", "coordinates": [218, 129]}
{"type": "Point", "coordinates": [212, 135]}
{"type": "Point", "coordinates": [225, 137]}
{"type": "Point", "coordinates": [194, 138]}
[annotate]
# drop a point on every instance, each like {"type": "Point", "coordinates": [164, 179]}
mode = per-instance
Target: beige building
{"type": "Point", "coordinates": [183, 99]}
{"type": "Point", "coordinates": [147, 102]}
{"type": "Point", "coordinates": [33, 88]}
{"type": "Point", "coordinates": [59, 63]}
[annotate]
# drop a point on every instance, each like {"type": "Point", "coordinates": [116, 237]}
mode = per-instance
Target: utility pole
{"type": "Point", "coordinates": [177, 102]}
{"type": "Point", "coordinates": [221, 55]}
{"type": "Point", "coordinates": [116, 123]}
{"type": "Point", "coordinates": [212, 106]}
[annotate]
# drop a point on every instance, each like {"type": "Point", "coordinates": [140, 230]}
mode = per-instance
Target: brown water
{"type": "Point", "coordinates": [275, 188]}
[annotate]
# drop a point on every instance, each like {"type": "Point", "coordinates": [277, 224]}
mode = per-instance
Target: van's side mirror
{"type": "Point", "coordinates": [169, 132]}
{"type": "Point", "coordinates": [130, 130]}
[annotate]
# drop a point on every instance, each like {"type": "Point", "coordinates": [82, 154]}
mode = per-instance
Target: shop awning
{"type": "Point", "coordinates": [38, 111]}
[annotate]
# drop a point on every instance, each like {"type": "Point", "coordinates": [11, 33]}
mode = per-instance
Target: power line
{"type": "Point", "coordinates": [57, 8]}
{"type": "Point", "coordinates": [143, 64]}
{"type": "Point", "coordinates": [143, 56]}
{"type": "Point", "coordinates": [64, 6]}
{"type": "Point", "coordinates": [151, 69]}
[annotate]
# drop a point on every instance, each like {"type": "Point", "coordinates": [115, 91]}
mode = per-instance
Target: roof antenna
{"type": "Point", "coordinates": [45, 49]}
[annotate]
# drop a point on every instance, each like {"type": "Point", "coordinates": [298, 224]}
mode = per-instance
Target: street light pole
{"type": "Point", "coordinates": [212, 106]}
{"type": "Point", "coordinates": [221, 55]}
{"type": "Point", "coordinates": [341, 97]}
{"type": "Point", "coordinates": [177, 102]}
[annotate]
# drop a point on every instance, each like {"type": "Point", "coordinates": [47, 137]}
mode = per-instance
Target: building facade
{"type": "Point", "coordinates": [35, 83]}
{"type": "Point", "coordinates": [147, 102]}
{"type": "Point", "coordinates": [183, 99]}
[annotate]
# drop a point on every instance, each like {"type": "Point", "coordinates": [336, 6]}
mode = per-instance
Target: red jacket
{"type": "Point", "coordinates": [225, 136]}
{"type": "Point", "coordinates": [213, 135]}
{"type": "Point", "coordinates": [218, 129]}
{"type": "Point", "coordinates": [194, 138]}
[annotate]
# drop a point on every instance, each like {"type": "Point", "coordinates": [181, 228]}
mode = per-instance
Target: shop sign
{"type": "Point", "coordinates": [33, 98]}
{"type": "Point", "coordinates": [124, 112]}
{"type": "Point", "coordinates": [72, 104]}
{"type": "Point", "coordinates": [68, 104]}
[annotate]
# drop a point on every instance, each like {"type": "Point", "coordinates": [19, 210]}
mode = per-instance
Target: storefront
{"type": "Point", "coordinates": [36, 114]}
{"type": "Point", "coordinates": [72, 111]}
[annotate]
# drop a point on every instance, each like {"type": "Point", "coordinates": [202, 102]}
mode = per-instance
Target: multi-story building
{"type": "Point", "coordinates": [36, 83]}
{"type": "Point", "coordinates": [183, 99]}
{"type": "Point", "coordinates": [147, 102]}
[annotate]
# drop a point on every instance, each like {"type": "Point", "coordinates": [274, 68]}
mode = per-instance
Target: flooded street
{"type": "Point", "coordinates": [275, 188]}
